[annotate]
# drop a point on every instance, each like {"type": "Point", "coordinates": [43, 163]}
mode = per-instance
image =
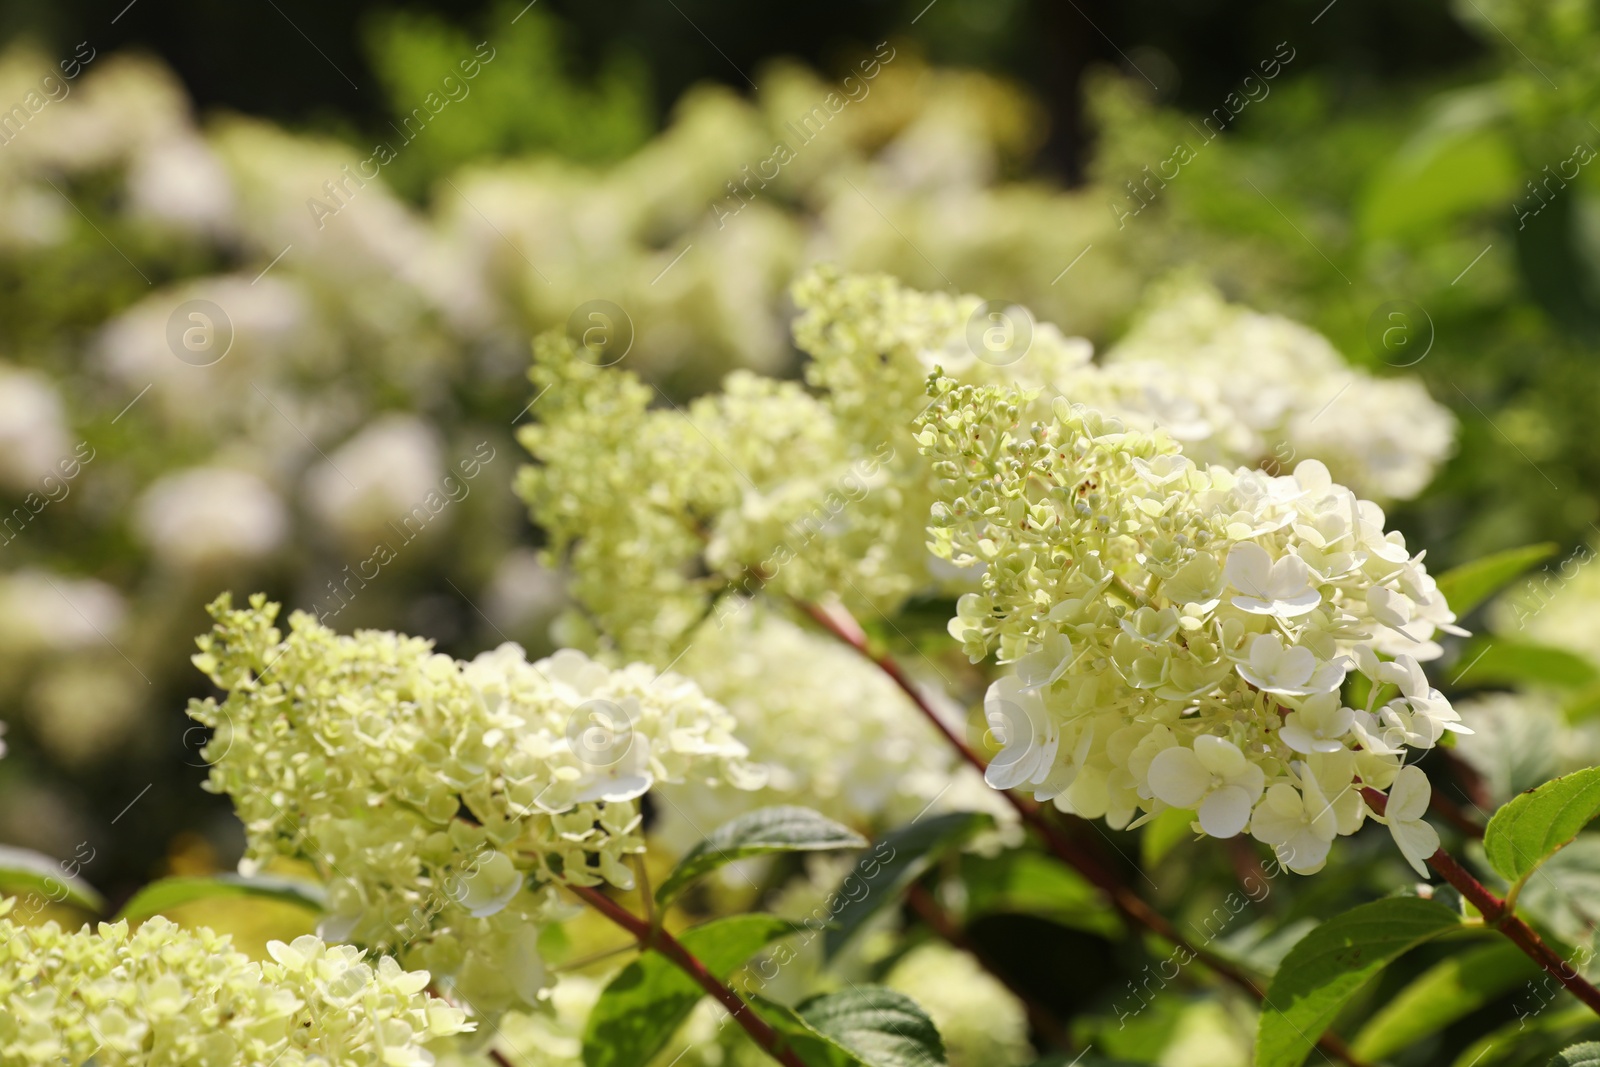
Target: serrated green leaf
{"type": "Point", "coordinates": [1163, 832]}
{"type": "Point", "coordinates": [758, 833]}
{"type": "Point", "coordinates": [1502, 662]}
{"type": "Point", "coordinates": [1584, 1055]}
{"type": "Point", "coordinates": [1031, 883]}
{"type": "Point", "coordinates": [1533, 825]}
{"type": "Point", "coordinates": [1331, 963]}
{"type": "Point", "coordinates": [899, 858]}
{"type": "Point", "coordinates": [881, 1027]}
{"type": "Point", "coordinates": [23, 871]}
{"type": "Point", "coordinates": [158, 896]}
{"type": "Point", "coordinates": [643, 1006]}
{"type": "Point", "coordinates": [813, 1048]}
{"type": "Point", "coordinates": [1467, 586]}
{"type": "Point", "coordinates": [1444, 993]}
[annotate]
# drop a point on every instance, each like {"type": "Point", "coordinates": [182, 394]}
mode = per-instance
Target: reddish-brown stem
{"type": "Point", "coordinates": [940, 921]}
{"type": "Point", "coordinates": [1129, 904]}
{"type": "Point", "coordinates": [659, 940]}
{"type": "Point", "coordinates": [1496, 914]}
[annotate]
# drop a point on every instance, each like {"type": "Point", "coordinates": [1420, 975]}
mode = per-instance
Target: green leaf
{"type": "Point", "coordinates": [881, 1027]}
{"type": "Point", "coordinates": [1459, 162]}
{"type": "Point", "coordinates": [900, 857]}
{"type": "Point", "coordinates": [1331, 963]}
{"type": "Point", "coordinates": [23, 871]}
{"type": "Point", "coordinates": [1532, 1038]}
{"type": "Point", "coordinates": [157, 897]}
{"type": "Point", "coordinates": [1584, 704]}
{"type": "Point", "coordinates": [1467, 586]}
{"type": "Point", "coordinates": [1560, 901]}
{"type": "Point", "coordinates": [1584, 1055]}
{"type": "Point", "coordinates": [643, 1006]}
{"type": "Point", "coordinates": [1529, 829]}
{"type": "Point", "coordinates": [1501, 662]}
{"type": "Point", "coordinates": [1446, 992]}
{"type": "Point", "coordinates": [1031, 883]}
{"type": "Point", "coordinates": [758, 833]}
{"type": "Point", "coordinates": [814, 1049]}
{"type": "Point", "coordinates": [1165, 831]}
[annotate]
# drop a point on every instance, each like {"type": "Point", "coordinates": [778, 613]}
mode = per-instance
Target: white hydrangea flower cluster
{"type": "Point", "coordinates": [835, 733]}
{"type": "Point", "coordinates": [160, 996]}
{"type": "Point", "coordinates": [1238, 386]}
{"type": "Point", "coordinates": [823, 491]}
{"type": "Point", "coordinates": [1180, 633]}
{"type": "Point", "coordinates": [661, 511]}
{"type": "Point", "coordinates": [981, 1022]}
{"type": "Point", "coordinates": [439, 799]}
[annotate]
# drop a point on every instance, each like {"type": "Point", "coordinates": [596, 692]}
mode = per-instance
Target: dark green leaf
{"type": "Point", "coordinates": [1444, 993]}
{"type": "Point", "coordinates": [1467, 586]}
{"type": "Point", "coordinates": [881, 1027]}
{"type": "Point", "coordinates": [643, 1006]}
{"type": "Point", "coordinates": [1584, 1055]}
{"type": "Point", "coordinates": [157, 897]}
{"type": "Point", "coordinates": [764, 831]}
{"type": "Point", "coordinates": [1500, 662]}
{"type": "Point", "coordinates": [23, 871]}
{"type": "Point", "coordinates": [1331, 963]}
{"type": "Point", "coordinates": [1526, 831]}
{"type": "Point", "coordinates": [899, 858]}
{"type": "Point", "coordinates": [1031, 883]}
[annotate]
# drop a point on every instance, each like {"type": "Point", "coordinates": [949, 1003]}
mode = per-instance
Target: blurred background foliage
{"type": "Point", "coordinates": [1425, 156]}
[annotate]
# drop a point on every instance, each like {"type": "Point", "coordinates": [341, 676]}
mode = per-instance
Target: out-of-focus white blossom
{"type": "Point", "coordinates": [981, 1023]}
{"type": "Point", "coordinates": [44, 612]}
{"type": "Point", "coordinates": [835, 733]}
{"type": "Point", "coordinates": [180, 181]}
{"type": "Point", "coordinates": [375, 478]}
{"type": "Point", "coordinates": [33, 428]}
{"type": "Point", "coordinates": [83, 710]}
{"type": "Point", "coordinates": [1235, 385]}
{"type": "Point", "coordinates": [523, 591]}
{"type": "Point", "coordinates": [260, 331]}
{"type": "Point", "coordinates": [204, 516]}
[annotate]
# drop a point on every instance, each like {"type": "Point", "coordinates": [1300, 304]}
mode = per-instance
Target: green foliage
{"type": "Point", "coordinates": [166, 893]}
{"type": "Point", "coordinates": [864, 1026]}
{"type": "Point", "coordinates": [1031, 883]}
{"type": "Point", "coordinates": [1331, 963]}
{"type": "Point", "coordinates": [1586, 1054]}
{"type": "Point", "coordinates": [899, 858]}
{"type": "Point", "coordinates": [645, 1004]}
{"type": "Point", "coordinates": [1164, 832]}
{"type": "Point", "coordinates": [526, 98]}
{"type": "Point", "coordinates": [23, 872]}
{"type": "Point", "coordinates": [1533, 826]}
{"type": "Point", "coordinates": [1497, 661]}
{"type": "Point", "coordinates": [1467, 586]}
{"type": "Point", "coordinates": [758, 833]}
{"type": "Point", "coordinates": [1444, 993]}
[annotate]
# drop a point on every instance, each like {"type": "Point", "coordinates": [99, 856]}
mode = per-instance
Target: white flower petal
{"type": "Point", "coordinates": [1225, 812]}
{"type": "Point", "coordinates": [1177, 777]}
